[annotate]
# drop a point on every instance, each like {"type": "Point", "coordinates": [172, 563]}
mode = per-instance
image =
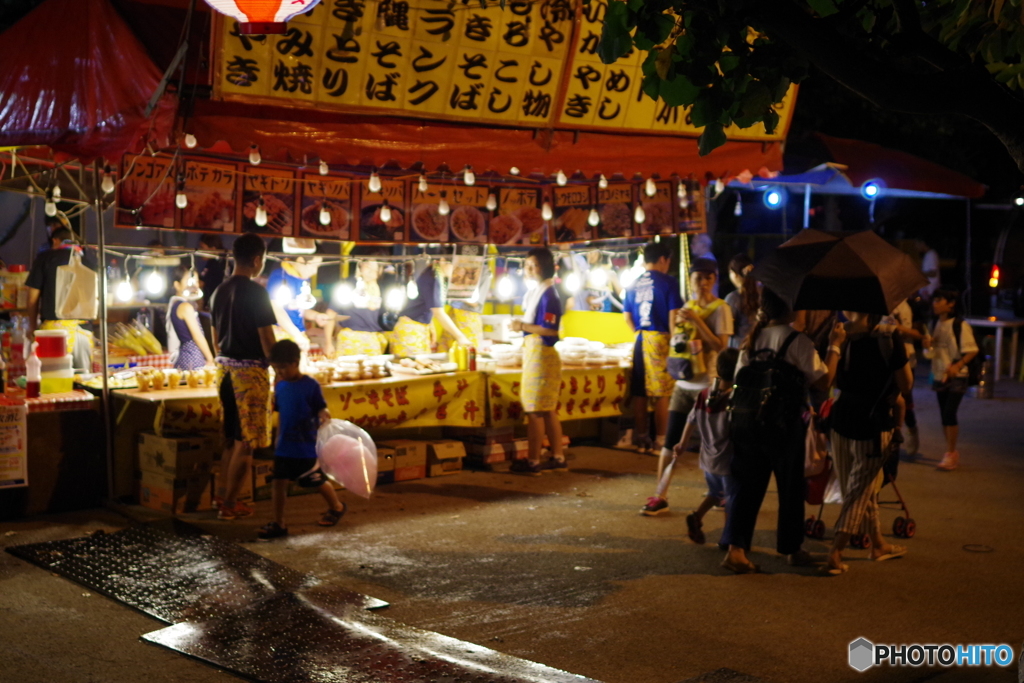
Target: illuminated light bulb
{"type": "Point", "coordinates": [1019, 201]}
{"type": "Point", "coordinates": [325, 214]}
{"type": "Point", "coordinates": [475, 296]}
{"type": "Point", "coordinates": [684, 200]}
{"type": "Point", "coordinates": [156, 283]}
{"type": "Point", "coordinates": [442, 206]}
{"type": "Point", "coordinates": [423, 184]}
{"type": "Point", "coordinates": [572, 282]}
{"type": "Point", "coordinates": [374, 183]}
{"type": "Point", "coordinates": [506, 288]}
{"type": "Point", "coordinates": [593, 218]}
{"type": "Point", "coordinates": [738, 209]}
{"type": "Point", "coordinates": [50, 208]}
{"type": "Point", "coordinates": [107, 184]}
{"type": "Point", "coordinates": [492, 202]}
{"type": "Point", "coordinates": [305, 300]}
{"type": "Point", "coordinates": [190, 140]}
{"type": "Point", "coordinates": [192, 291]}
{"type": "Point", "coordinates": [394, 300]}
{"type": "Point", "coordinates": [324, 168]}
{"type": "Point", "coordinates": [639, 215]}
{"type": "Point", "coordinates": [343, 294]}
{"type": "Point", "coordinates": [719, 186]}
{"type": "Point", "coordinates": [56, 192]}
{"type": "Point", "coordinates": [560, 178]}
{"type": "Point", "coordinates": [545, 211]}
{"type": "Point", "coordinates": [650, 187]}
{"type": "Point", "coordinates": [681, 190]}
{"type": "Point", "coordinates": [598, 278]}
{"type": "Point", "coordinates": [254, 155]}
{"type": "Point", "coordinates": [261, 213]}
{"type": "Point", "coordinates": [412, 290]}
{"type": "Point", "coordinates": [514, 170]}
{"type": "Point", "coordinates": [180, 200]}
{"type": "Point", "coordinates": [602, 182]}
{"type": "Point", "coordinates": [283, 294]}
{"type": "Point", "coordinates": [993, 276]}
{"type": "Point", "coordinates": [468, 177]}
{"type": "Point", "coordinates": [385, 213]}
{"type": "Point", "coordinates": [124, 292]}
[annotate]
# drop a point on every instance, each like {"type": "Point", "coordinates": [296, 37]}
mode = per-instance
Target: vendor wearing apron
{"type": "Point", "coordinates": [285, 285]}
{"type": "Point", "coordinates": [413, 331]}
{"type": "Point", "coordinates": [361, 332]}
{"type": "Point", "coordinates": [466, 314]}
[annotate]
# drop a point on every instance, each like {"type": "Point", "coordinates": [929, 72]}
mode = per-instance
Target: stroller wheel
{"type": "Point", "coordinates": [910, 529]}
{"type": "Point", "coordinates": [899, 526]}
{"type": "Point", "coordinates": [819, 529]}
{"type": "Point", "coordinates": [865, 541]}
{"type": "Point", "coordinates": [855, 541]}
{"type": "Point", "coordinates": [809, 527]}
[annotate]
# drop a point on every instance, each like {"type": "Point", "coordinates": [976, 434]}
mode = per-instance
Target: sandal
{"type": "Point", "coordinates": [894, 552]}
{"type": "Point", "coordinates": [748, 568]}
{"type": "Point", "coordinates": [829, 570]}
{"type": "Point", "coordinates": [332, 517]}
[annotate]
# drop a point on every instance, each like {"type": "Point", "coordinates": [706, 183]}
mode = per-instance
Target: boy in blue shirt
{"type": "Point", "coordinates": [302, 410]}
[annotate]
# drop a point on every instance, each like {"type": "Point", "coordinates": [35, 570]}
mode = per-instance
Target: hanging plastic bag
{"type": "Point", "coordinates": [348, 455]}
{"type": "Point", "coordinates": [75, 290]}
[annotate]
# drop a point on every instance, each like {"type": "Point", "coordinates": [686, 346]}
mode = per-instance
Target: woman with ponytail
{"type": "Point", "coordinates": [745, 299]}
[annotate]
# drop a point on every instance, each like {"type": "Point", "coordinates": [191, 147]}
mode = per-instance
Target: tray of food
{"type": "Point", "coordinates": [414, 366]}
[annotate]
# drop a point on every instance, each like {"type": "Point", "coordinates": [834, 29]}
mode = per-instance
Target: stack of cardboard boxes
{"type": "Point", "coordinates": [175, 472]}
{"type": "Point", "coordinates": [406, 460]}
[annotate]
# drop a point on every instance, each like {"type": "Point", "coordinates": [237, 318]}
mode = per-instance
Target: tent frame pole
{"type": "Point", "coordinates": [105, 388]}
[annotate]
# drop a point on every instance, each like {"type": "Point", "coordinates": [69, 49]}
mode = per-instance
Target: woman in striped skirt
{"type": "Point", "coordinates": [872, 373]}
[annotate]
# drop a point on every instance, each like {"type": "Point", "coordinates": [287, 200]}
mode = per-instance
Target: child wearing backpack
{"type": "Point", "coordinates": [951, 348]}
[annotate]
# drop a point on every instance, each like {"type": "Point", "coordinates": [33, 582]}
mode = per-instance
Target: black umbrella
{"type": "Point", "coordinates": [847, 271]}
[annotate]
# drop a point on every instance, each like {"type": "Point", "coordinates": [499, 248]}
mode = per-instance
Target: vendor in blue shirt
{"type": "Point", "coordinates": [285, 286]}
{"type": "Point", "coordinates": [413, 333]}
{"type": "Point", "coordinates": [360, 331]}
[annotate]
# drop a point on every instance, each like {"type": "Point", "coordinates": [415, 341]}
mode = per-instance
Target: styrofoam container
{"type": "Point", "coordinates": [57, 364]}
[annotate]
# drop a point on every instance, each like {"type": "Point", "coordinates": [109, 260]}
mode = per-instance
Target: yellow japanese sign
{"type": "Point", "coordinates": [456, 400]}
{"type": "Point", "coordinates": [610, 96]}
{"type": "Point", "coordinates": [212, 198]}
{"type": "Point", "coordinates": [428, 58]}
{"type": "Point", "coordinates": [145, 196]}
{"type": "Point", "coordinates": [586, 393]}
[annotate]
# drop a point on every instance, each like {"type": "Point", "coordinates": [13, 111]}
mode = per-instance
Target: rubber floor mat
{"type": "Point", "coordinates": [301, 638]}
{"type": "Point", "coordinates": [178, 574]}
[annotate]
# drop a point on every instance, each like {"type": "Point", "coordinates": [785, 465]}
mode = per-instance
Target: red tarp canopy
{"type": "Point", "coordinates": [76, 79]}
{"type": "Point", "coordinates": [287, 134]}
{"type": "Point", "coordinates": [867, 161]}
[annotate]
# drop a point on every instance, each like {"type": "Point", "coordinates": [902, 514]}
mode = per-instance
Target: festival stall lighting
{"type": "Point", "coordinates": [492, 202]}
{"type": "Point", "coordinates": [180, 198]}
{"type": "Point", "coordinates": [261, 17]}
{"type": "Point", "coordinates": [650, 187]}
{"type": "Point", "coordinates": [156, 283]}
{"type": "Point", "coordinates": [593, 218]}
{"type": "Point", "coordinates": [545, 211]}
{"type": "Point", "coordinates": [598, 277]}
{"type": "Point", "coordinates": [442, 206]}
{"type": "Point", "coordinates": [342, 294]}
{"type": "Point", "coordinates": [107, 184]}
{"type": "Point", "coordinates": [324, 168]}
{"type": "Point", "coordinates": [1019, 201]}
{"type": "Point", "coordinates": [192, 291]}
{"type": "Point", "coordinates": [514, 170]}
{"type": "Point", "coordinates": [254, 155]}
{"type": "Point", "coordinates": [190, 141]}
{"type": "Point", "coordinates": [261, 213]}
{"type": "Point", "coordinates": [394, 299]}
{"type": "Point", "coordinates": [374, 184]}
{"type": "Point", "coordinates": [993, 277]}
{"type": "Point", "coordinates": [738, 209]}
{"type": "Point", "coordinates": [630, 276]}
{"type": "Point", "coordinates": [774, 197]}
{"type": "Point", "coordinates": [124, 292]}
{"type": "Point", "coordinates": [505, 289]}
{"type": "Point", "coordinates": [572, 282]}
{"type": "Point", "coordinates": [325, 214]}
{"type": "Point", "coordinates": [385, 212]}
{"type": "Point", "coordinates": [560, 178]}
{"type": "Point", "coordinates": [423, 186]}
{"type": "Point", "coordinates": [602, 182]}
{"type": "Point", "coordinates": [639, 215]}
{"type": "Point", "coordinates": [283, 295]}
{"type": "Point", "coordinates": [871, 189]}
{"type": "Point", "coordinates": [305, 300]}
{"type": "Point", "coordinates": [412, 290]}
{"type": "Point", "coordinates": [468, 177]}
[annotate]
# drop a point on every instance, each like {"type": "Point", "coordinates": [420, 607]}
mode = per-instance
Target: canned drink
{"type": "Point", "coordinates": [696, 346]}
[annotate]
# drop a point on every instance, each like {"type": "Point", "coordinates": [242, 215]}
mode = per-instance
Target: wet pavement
{"type": "Point", "coordinates": [561, 570]}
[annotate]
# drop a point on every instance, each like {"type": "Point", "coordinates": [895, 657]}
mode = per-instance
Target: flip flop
{"type": "Point", "coordinates": [835, 571]}
{"type": "Point", "coordinates": [897, 551]}
{"type": "Point", "coordinates": [749, 568]}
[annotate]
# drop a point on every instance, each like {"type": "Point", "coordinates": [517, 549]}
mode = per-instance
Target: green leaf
{"type": "Point", "coordinates": [616, 40]}
{"type": "Point", "coordinates": [663, 63]}
{"type": "Point", "coordinates": [705, 109]}
{"type": "Point", "coordinates": [651, 86]}
{"type": "Point", "coordinates": [712, 137]}
{"type": "Point", "coordinates": [652, 30]}
{"type": "Point", "coordinates": [823, 8]}
{"type": "Point", "coordinates": [679, 91]}
{"type": "Point", "coordinates": [729, 61]}
{"type": "Point", "coordinates": [771, 120]}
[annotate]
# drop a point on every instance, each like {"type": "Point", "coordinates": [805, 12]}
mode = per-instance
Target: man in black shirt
{"type": "Point", "coordinates": [243, 334]}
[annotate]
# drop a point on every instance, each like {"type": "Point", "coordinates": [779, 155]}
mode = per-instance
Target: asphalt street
{"type": "Point", "coordinates": [561, 570]}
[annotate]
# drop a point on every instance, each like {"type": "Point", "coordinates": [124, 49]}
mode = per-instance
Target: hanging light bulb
{"type": "Point", "coordinates": [560, 178]}
{"type": "Point", "coordinates": [630, 276]}
{"type": "Point", "coordinates": [545, 211]}
{"type": "Point", "coordinates": [442, 206]}
{"type": "Point", "coordinates": [684, 199]}
{"type": "Point", "coordinates": [492, 202]}
{"type": "Point", "coordinates": [602, 182]}
{"type": "Point", "coordinates": [261, 213]}
{"type": "Point", "coordinates": [124, 292]}
{"type": "Point", "coordinates": [719, 186]}
{"type": "Point", "coordinates": [190, 140]}
{"type": "Point", "coordinates": [283, 294]}
{"type": "Point", "coordinates": [593, 218]}
{"type": "Point", "coordinates": [325, 214]}
{"type": "Point", "coordinates": [385, 213]}
{"type": "Point", "coordinates": [514, 170]}
{"type": "Point", "coordinates": [681, 189]}
{"type": "Point", "coordinates": [572, 282]}
{"type": "Point", "coordinates": [412, 290]}
{"type": "Point", "coordinates": [468, 177]}
{"type": "Point", "coordinates": [180, 200]}
{"type": "Point", "coordinates": [738, 209]}
{"type": "Point", "coordinates": [324, 168]}
{"type": "Point", "coordinates": [650, 187]}
{"type": "Point", "coordinates": [156, 283]}
{"type": "Point", "coordinates": [394, 299]}
{"type": "Point", "coordinates": [374, 183]}
{"type": "Point", "coordinates": [56, 191]}
{"type": "Point", "coordinates": [506, 288]}
{"type": "Point", "coordinates": [598, 277]}
{"type": "Point", "coordinates": [50, 207]}
{"type": "Point", "coordinates": [192, 291]}
{"type": "Point", "coordinates": [107, 184]}
{"type": "Point", "coordinates": [639, 215]}
{"type": "Point", "coordinates": [305, 300]}
{"type": "Point", "coordinates": [423, 187]}
{"type": "Point", "coordinates": [343, 294]}
{"type": "Point", "coordinates": [254, 155]}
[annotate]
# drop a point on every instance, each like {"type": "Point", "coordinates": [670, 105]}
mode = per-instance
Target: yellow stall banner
{"type": "Point", "coordinates": [454, 400]}
{"type": "Point", "coordinates": [189, 415]}
{"type": "Point", "coordinates": [586, 393]}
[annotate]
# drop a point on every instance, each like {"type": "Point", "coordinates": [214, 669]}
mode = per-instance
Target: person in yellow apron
{"type": "Point", "coordinates": [412, 335]}
{"type": "Point", "coordinates": [466, 314]}
{"type": "Point", "coordinates": [542, 366]}
{"type": "Point", "coordinates": [360, 331]}
{"type": "Point", "coordinates": [702, 329]}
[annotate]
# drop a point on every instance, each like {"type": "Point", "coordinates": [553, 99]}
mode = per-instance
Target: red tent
{"type": "Point", "coordinates": [76, 79]}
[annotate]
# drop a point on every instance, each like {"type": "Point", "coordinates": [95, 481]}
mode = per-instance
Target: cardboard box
{"type": "Point", "coordinates": [489, 458]}
{"type": "Point", "coordinates": [175, 496]}
{"type": "Point", "coordinates": [445, 457]}
{"type": "Point", "coordinates": [410, 459]}
{"type": "Point", "coordinates": [617, 432]}
{"type": "Point", "coordinates": [385, 459]}
{"type": "Point", "coordinates": [219, 472]}
{"type": "Point", "coordinates": [178, 456]}
{"type": "Point", "coordinates": [483, 436]}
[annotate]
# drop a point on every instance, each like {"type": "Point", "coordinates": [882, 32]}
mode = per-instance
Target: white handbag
{"type": "Point", "coordinates": [76, 290]}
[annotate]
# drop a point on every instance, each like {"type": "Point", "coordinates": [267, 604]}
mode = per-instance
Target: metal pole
{"type": "Point", "coordinates": [967, 271]}
{"type": "Point", "coordinates": [105, 389]}
{"type": "Point", "coordinates": [807, 206]}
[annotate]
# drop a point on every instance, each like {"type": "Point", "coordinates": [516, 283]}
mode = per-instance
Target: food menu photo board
{"type": "Point", "coordinates": [427, 224]}
{"type": "Point", "coordinates": [276, 186]}
{"type": "Point", "coordinates": [212, 192]}
{"type": "Point", "coordinates": [467, 270]}
{"type": "Point", "coordinates": [615, 207]}
{"type": "Point", "coordinates": [519, 219]}
{"type": "Point", "coordinates": [333, 193]}
{"type": "Point", "coordinates": [372, 226]}
{"type": "Point", "coordinates": [692, 217]}
{"type": "Point", "coordinates": [657, 209]}
{"type": "Point", "coordinates": [469, 215]}
{"type": "Point", "coordinates": [572, 207]}
{"type": "Point", "coordinates": [148, 185]}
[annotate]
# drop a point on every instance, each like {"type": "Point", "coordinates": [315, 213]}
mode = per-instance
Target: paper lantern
{"type": "Point", "coordinates": [262, 17]}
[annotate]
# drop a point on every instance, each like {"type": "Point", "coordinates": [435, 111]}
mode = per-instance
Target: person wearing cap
{"type": "Point", "coordinates": [702, 329]}
{"type": "Point", "coordinates": [285, 286]}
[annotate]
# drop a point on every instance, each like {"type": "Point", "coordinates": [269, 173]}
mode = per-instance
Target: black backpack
{"type": "Point", "coordinates": [769, 394]}
{"type": "Point", "coordinates": [974, 368]}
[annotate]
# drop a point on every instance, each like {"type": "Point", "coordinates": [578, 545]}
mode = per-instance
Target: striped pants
{"type": "Point", "coordinates": [860, 479]}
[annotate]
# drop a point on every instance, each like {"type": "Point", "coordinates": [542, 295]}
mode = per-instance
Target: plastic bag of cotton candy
{"type": "Point", "coordinates": [348, 455]}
